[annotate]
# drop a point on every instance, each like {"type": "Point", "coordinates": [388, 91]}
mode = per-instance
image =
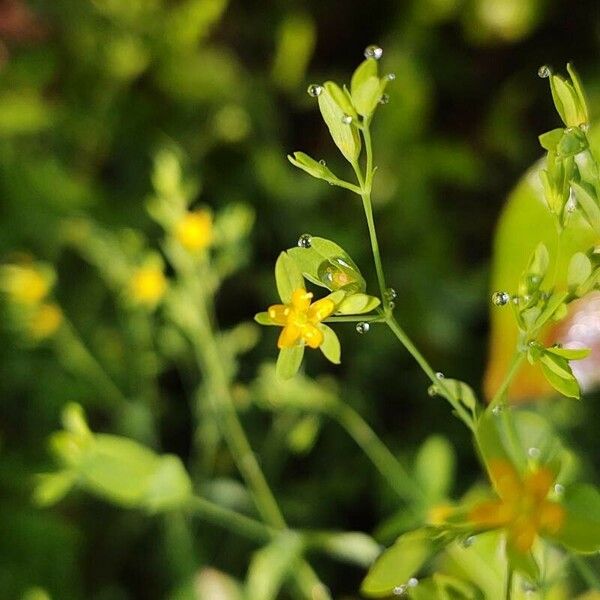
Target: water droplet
{"type": "Point", "coordinates": [305, 240]}
{"type": "Point", "coordinates": [390, 76]}
{"type": "Point", "coordinates": [432, 391]}
{"type": "Point", "coordinates": [362, 327]}
{"type": "Point", "coordinates": [400, 590]}
{"type": "Point", "coordinates": [385, 99]}
{"type": "Point", "coordinates": [544, 72]}
{"type": "Point", "coordinates": [585, 127]}
{"type": "Point", "coordinates": [391, 294]}
{"type": "Point", "coordinates": [534, 453]}
{"type": "Point", "coordinates": [323, 162]}
{"type": "Point", "coordinates": [559, 489]}
{"type": "Point", "coordinates": [391, 305]}
{"type": "Point", "coordinates": [412, 582]}
{"type": "Point", "coordinates": [516, 299]}
{"type": "Point", "coordinates": [346, 119]}
{"type": "Point", "coordinates": [440, 375]}
{"type": "Point", "coordinates": [468, 541]}
{"type": "Point", "coordinates": [373, 51]}
{"type": "Point", "coordinates": [497, 410]}
{"type": "Point", "coordinates": [528, 586]}
{"type": "Point", "coordinates": [500, 298]}
{"type": "Point", "coordinates": [314, 90]}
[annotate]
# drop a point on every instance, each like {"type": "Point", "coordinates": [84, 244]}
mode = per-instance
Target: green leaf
{"type": "Point", "coordinates": [271, 566]}
{"type": "Point", "coordinates": [456, 389]}
{"type": "Point", "coordinates": [434, 467]}
{"type": "Point", "coordinates": [263, 318]}
{"type": "Point", "coordinates": [358, 304]}
{"type": "Point", "coordinates": [328, 265]}
{"type": "Point", "coordinates": [118, 469]}
{"type": "Point", "coordinates": [366, 87]}
{"type": "Point", "coordinates": [289, 361]}
{"type": "Point", "coordinates": [311, 166]}
{"type": "Point", "coordinates": [566, 101]}
{"type": "Point", "coordinates": [53, 487]}
{"type": "Point", "coordinates": [569, 353]}
{"type": "Point", "coordinates": [351, 547]}
{"type": "Point", "coordinates": [581, 96]}
{"type": "Point", "coordinates": [344, 135]}
{"type": "Point", "coordinates": [399, 563]}
{"type": "Point", "coordinates": [580, 531]}
{"type": "Point", "coordinates": [303, 434]}
{"type": "Point", "coordinates": [573, 141]}
{"type": "Point", "coordinates": [558, 373]}
{"type": "Point", "coordinates": [288, 277]}
{"type": "Point", "coordinates": [580, 268]}
{"type": "Point", "coordinates": [589, 206]}
{"type": "Point", "coordinates": [331, 344]}
{"type": "Point", "coordinates": [169, 487]}
{"type": "Point", "coordinates": [340, 97]}
{"type": "Point", "coordinates": [550, 140]}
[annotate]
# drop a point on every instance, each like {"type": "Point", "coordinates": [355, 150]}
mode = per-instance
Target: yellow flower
{"type": "Point", "coordinates": [523, 509]}
{"type": "Point", "coordinates": [195, 230]}
{"type": "Point", "coordinates": [148, 285]}
{"type": "Point", "coordinates": [300, 319]}
{"type": "Point", "coordinates": [45, 321]}
{"type": "Point", "coordinates": [25, 284]}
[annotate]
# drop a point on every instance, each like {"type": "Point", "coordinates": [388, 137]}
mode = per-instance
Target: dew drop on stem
{"type": "Point", "coordinates": [440, 375]}
{"type": "Point", "coordinates": [534, 453]}
{"type": "Point", "coordinates": [323, 162]}
{"type": "Point", "coordinates": [346, 119]}
{"type": "Point", "coordinates": [385, 99]}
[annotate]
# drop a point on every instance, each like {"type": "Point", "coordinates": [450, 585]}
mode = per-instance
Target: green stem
{"type": "Point", "coordinates": [231, 520]}
{"type": "Point", "coordinates": [422, 362]}
{"type": "Point", "coordinates": [355, 319]}
{"type": "Point", "coordinates": [74, 353]}
{"type": "Point", "coordinates": [586, 572]}
{"type": "Point", "coordinates": [509, 581]}
{"type": "Point", "coordinates": [379, 454]}
{"type": "Point", "coordinates": [499, 396]}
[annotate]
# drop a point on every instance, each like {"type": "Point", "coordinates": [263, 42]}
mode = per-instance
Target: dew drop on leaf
{"type": "Point", "coordinates": [305, 240]}
{"type": "Point", "coordinates": [314, 90]}
{"type": "Point", "coordinates": [500, 298]}
{"type": "Point", "coordinates": [544, 72]}
{"type": "Point", "coordinates": [373, 51]}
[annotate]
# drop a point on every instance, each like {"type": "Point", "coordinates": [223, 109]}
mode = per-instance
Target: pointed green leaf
{"type": "Point", "coordinates": [569, 353]}
{"type": "Point", "coordinates": [434, 467]}
{"type": "Point", "coordinates": [287, 277]}
{"type": "Point", "coordinates": [589, 206]}
{"type": "Point", "coordinates": [272, 565]}
{"type": "Point", "coordinates": [311, 166]}
{"type": "Point", "coordinates": [353, 547]}
{"type": "Point", "coordinates": [580, 268]}
{"type": "Point", "coordinates": [558, 374]}
{"type": "Point", "coordinates": [52, 487]}
{"type": "Point", "coordinates": [358, 304]}
{"type": "Point", "coordinates": [399, 563]}
{"type": "Point", "coordinates": [289, 361]}
{"type": "Point", "coordinates": [263, 318]}
{"type": "Point", "coordinates": [550, 140]}
{"type": "Point", "coordinates": [331, 344]}
{"type": "Point", "coordinates": [344, 135]}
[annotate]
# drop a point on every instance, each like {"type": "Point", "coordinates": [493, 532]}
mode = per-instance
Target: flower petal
{"type": "Point", "coordinates": [312, 336]}
{"type": "Point", "coordinates": [522, 534]}
{"type": "Point", "coordinates": [301, 299]}
{"type": "Point", "coordinates": [289, 336]}
{"type": "Point", "coordinates": [538, 483]}
{"type": "Point", "coordinates": [320, 310]}
{"type": "Point", "coordinates": [551, 516]}
{"type": "Point", "coordinates": [506, 480]}
{"type": "Point", "coordinates": [278, 313]}
{"type": "Point", "coordinates": [491, 514]}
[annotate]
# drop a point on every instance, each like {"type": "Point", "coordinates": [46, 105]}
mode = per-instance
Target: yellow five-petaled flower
{"type": "Point", "coordinates": [523, 508]}
{"type": "Point", "coordinates": [300, 319]}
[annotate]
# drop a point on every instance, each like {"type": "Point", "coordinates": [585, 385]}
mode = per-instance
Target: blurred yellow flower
{"type": "Point", "coordinates": [195, 230]}
{"type": "Point", "coordinates": [523, 509]}
{"type": "Point", "coordinates": [300, 319]}
{"type": "Point", "coordinates": [45, 321]}
{"type": "Point", "coordinates": [148, 285]}
{"type": "Point", "coordinates": [25, 284]}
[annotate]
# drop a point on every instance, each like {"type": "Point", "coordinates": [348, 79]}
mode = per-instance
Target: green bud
{"type": "Point", "coordinates": [569, 98]}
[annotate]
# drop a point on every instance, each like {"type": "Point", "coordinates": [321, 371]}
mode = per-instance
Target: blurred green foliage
{"type": "Point", "coordinates": [91, 91]}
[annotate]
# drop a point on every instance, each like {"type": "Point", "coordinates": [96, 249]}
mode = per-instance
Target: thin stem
{"type": "Point", "coordinates": [585, 571]}
{"type": "Point", "coordinates": [379, 454]}
{"type": "Point", "coordinates": [509, 581]}
{"type": "Point", "coordinates": [499, 396]}
{"type": "Point", "coordinates": [231, 520]}
{"type": "Point", "coordinates": [422, 362]}
{"type": "Point", "coordinates": [355, 319]}
{"type": "Point", "coordinates": [74, 352]}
